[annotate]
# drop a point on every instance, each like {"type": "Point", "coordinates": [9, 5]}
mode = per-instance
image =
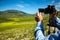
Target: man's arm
{"type": "Point", "coordinates": [39, 30]}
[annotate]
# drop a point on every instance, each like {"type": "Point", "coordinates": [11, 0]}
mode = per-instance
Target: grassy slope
{"type": "Point", "coordinates": [19, 28]}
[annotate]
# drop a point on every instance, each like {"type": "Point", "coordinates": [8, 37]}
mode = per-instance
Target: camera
{"type": "Point", "coordinates": [49, 10]}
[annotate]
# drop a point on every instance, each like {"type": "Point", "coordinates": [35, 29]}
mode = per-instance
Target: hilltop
{"type": "Point", "coordinates": [10, 15]}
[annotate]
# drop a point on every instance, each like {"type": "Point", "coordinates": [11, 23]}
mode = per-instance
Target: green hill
{"type": "Point", "coordinates": [13, 15]}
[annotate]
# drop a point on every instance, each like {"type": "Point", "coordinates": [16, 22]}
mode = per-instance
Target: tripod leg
{"type": "Point", "coordinates": [49, 30]}
{"type": "Point", "coordinates": [54, 30]}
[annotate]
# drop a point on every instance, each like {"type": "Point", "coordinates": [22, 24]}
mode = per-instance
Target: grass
{"type": "Point", "coordinates": [21, 28]}
{"type": "Point", "coordinates": [13, 30]}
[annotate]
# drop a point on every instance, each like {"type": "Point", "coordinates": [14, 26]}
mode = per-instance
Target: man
{"type": "Point", "coordinates": [39, 30]}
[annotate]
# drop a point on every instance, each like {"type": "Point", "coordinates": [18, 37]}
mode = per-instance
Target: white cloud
{"type": "Point", "coordinates": [20, 5]}
{"type": "Point", "coordinates": [59, 3]}
{"type": "Point", "coordinates": [58, 6]}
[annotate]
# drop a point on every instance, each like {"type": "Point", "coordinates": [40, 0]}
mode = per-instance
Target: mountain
{"type": "Point", "coordinates": [12, 13]}
{"type": "Point", "coordinates": [6, 15]}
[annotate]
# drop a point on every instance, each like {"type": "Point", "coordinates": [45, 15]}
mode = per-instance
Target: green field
{"type": "Point", "coordinates": [18, 28]}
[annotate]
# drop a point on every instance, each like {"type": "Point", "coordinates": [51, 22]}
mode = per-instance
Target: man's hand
{"type": "Point", "coordinates": [38, 17]}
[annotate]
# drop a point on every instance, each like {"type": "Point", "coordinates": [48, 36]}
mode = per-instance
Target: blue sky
{"type": "Point", "coordinates": [28, 6]}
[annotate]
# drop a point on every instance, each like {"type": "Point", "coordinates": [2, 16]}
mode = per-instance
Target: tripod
{"type": "Point", "coordinates": [52, 23]}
